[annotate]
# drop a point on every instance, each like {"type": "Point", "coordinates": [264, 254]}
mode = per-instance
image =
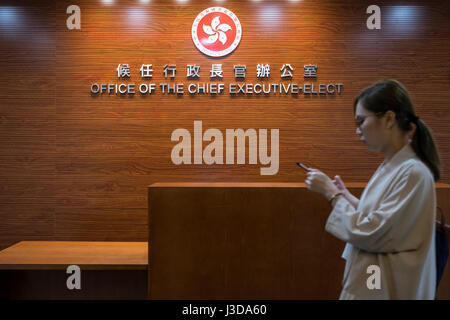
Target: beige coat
{"type": "Point", "coordinates": [392, 228]}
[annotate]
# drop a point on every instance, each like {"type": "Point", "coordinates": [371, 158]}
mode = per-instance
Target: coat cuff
{"type": "Point", "coordinates": [334, 223]}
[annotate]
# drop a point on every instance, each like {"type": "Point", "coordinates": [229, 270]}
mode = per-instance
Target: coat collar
{"type": "Point", "coordinates": [405, 153]}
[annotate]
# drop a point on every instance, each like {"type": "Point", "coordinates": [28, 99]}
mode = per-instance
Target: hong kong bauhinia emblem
{"type": "Point", "coordinates": [216, 31]}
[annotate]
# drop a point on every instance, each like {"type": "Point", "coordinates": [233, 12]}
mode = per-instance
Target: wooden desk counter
{"type": "Point", "coordinates": [247, 241]}
{"type": "Point", "coordinates": [109, 270]}
{"type": "Point", "coordinates": [88, 255]}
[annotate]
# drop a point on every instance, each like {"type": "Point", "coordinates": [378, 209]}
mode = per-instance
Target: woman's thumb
{"type": "Point", "coordinates": [339, 181]}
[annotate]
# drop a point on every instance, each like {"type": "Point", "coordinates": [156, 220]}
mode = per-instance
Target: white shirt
{"type": "Point", "coordinates": [392, 228]}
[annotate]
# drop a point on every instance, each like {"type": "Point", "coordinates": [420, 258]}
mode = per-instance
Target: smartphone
{"type": "Point", "coordinates": [302, 166]}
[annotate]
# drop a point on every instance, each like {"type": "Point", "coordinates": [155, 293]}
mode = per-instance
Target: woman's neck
{"type": "Point", "coordinates": [394, 147]}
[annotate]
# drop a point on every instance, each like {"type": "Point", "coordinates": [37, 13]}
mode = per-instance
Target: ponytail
{"type": "Point", "coordinates": [425, 148]}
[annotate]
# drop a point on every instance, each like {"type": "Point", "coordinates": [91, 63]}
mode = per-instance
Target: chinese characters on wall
{"type": "Point", "coordinates": [215, 73]}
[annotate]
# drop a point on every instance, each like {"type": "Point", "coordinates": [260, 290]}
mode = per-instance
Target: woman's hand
{"type": "Point", "coordinates": [319, 182]}
{"type": "Point", "coordinates": [340, 185]}
{"type": "Point", "coordinates": [347, 195]}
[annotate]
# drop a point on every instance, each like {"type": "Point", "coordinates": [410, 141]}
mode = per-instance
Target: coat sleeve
{"type": "Point", "coordinates": [377, 231]}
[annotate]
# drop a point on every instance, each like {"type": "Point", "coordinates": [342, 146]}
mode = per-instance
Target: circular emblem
{"type": "Point", "coordinates": [216, 31]}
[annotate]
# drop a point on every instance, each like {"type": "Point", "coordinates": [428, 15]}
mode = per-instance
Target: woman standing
{"type": "Point", "coordinates": [391, 228]}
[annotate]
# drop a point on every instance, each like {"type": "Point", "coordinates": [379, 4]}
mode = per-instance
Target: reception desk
{"type": "Point", "coordinates": [247, 241]}
{"type": "Point", "coordinates": [110, 270]}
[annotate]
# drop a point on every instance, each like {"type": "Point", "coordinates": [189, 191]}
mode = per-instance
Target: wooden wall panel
{"type": "Point", "coordinates": [27, 121]}
{"type": "Point", "coordinates": [81, 164]}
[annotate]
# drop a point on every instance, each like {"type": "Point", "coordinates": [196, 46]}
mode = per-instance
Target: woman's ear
{"type": "Point", "coordinates": [390, 119]}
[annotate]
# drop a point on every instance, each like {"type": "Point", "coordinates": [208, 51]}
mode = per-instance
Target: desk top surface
{"type": "Point", "coordinates": [256, 185]}
{"type": "Point", "coordinates": [96, 255]}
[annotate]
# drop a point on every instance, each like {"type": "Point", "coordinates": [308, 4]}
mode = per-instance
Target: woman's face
{"type": "Point", "coordinates": [369, 128]}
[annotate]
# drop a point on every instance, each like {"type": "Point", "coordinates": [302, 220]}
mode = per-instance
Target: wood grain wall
{"type": "Point", "coordinates": [76, 167]}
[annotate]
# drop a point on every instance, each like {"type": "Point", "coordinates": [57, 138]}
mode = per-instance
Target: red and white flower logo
{"type": "Point", "coordinates": [216, 31]}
